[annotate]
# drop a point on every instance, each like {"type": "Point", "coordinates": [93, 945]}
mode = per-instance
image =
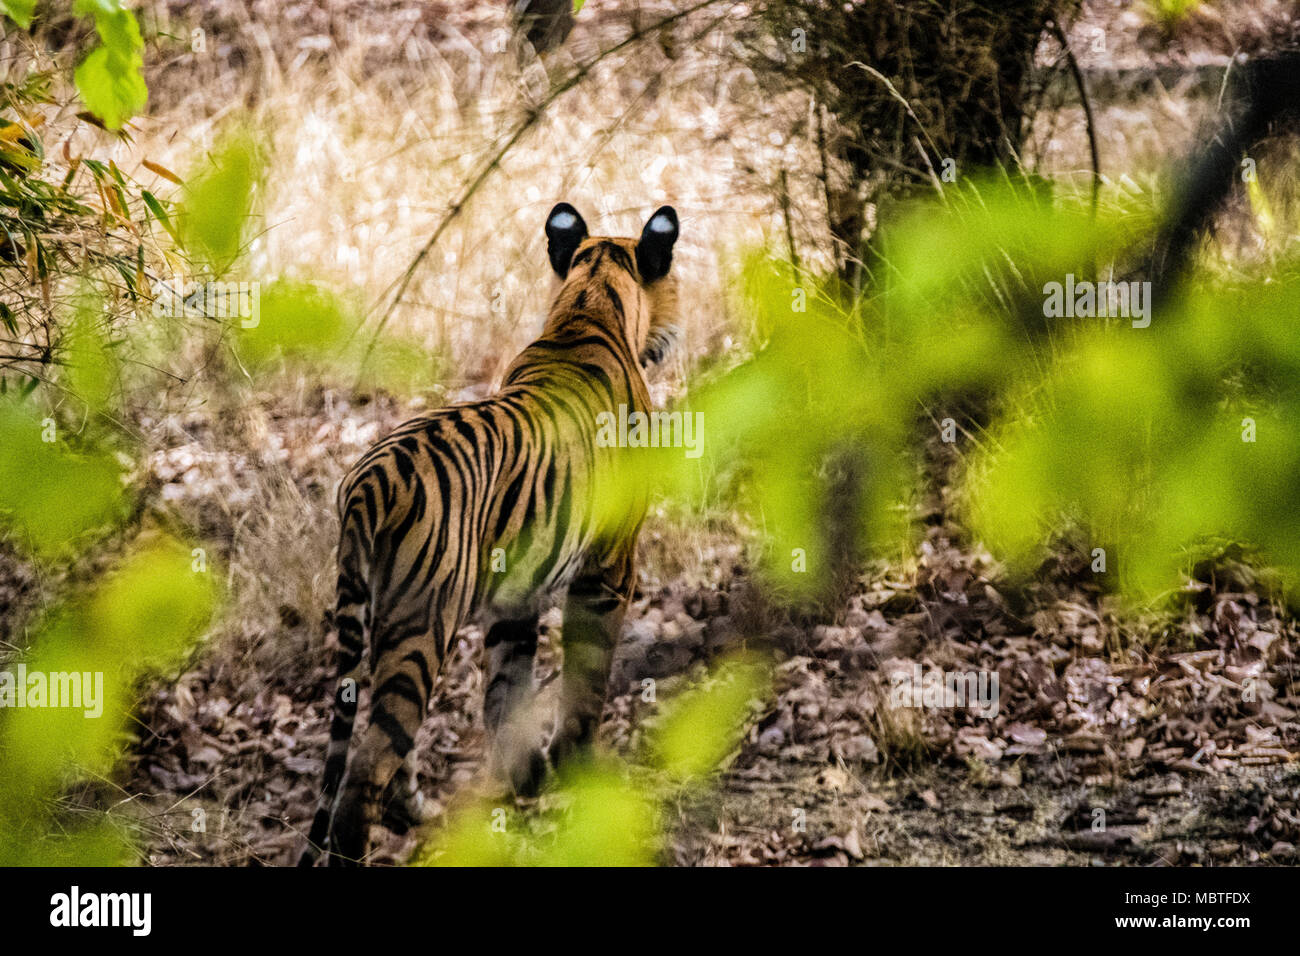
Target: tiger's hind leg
{"type": "Point", "coordinates": [593, 619]}
{"type": "Point", "coordinates": [352, 618]}
{"type": "Point", "coordinates": [407, 656]}
{"type": "Point", "coordinates": [511, 646]}
{"type": "Point", "coordinates": [404, 805]}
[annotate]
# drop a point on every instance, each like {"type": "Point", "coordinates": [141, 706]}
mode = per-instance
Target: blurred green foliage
{"type": "Point", "coordinates": [1170, 13]}
{"type": "Point", "coordinates": [607, 816]}
{"type": "Point", "coordinates": [73, 217]}
{"type": "Point", "coordinates": [62, 491]}
{"type": "Point", "coordinates": [1138, 435]}
{"type": "Point", "coordinates": [51, 493]}
{"type": "Point", "coordinates": [1154, 441]}
{"type": "Point", "coordinates": [607, 821]}
{"type": "Point", "coordinates": [312, 326]}
{"type": "Point", "coordinates": [91, 368]}
{"type": "Point", "coordinates": [1162, 440]}
{"type": "Point", "coordinates": [218, 204]}
{"type": "Point", "coordinates": [20, 11]}
{"type": "Point", "coordinates": [295, 320]}
{"type": "Point", "coordinates": [144, 615]}
{"type": "Point", "coordinates": [110, 79]}
{"type": "Point", "coordinates": [696, 730]}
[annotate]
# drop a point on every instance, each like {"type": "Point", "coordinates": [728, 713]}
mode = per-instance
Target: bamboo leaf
{"type": "Point", "coordinates": [163, 171]}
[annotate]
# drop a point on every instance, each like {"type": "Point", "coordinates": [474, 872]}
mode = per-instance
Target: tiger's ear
{"type": "Point", "coordinates": [654, 252]}
{"type": "Point", "coordinates": [564, 230]}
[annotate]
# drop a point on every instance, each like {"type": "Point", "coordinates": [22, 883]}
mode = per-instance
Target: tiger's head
{"type": "Point", "coordinates": [624, 281]}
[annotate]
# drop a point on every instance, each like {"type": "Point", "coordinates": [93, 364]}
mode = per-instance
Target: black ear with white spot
{"type": "Point", "coordinates": [564, 230]}
{"type": "Point", "coordinates": [654, 253]}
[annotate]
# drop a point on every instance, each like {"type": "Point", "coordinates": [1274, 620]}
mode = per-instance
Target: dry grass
{"type": "Point", "coordinates": [364, 164]}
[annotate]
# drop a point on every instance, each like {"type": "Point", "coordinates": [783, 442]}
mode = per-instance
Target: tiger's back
{"type": "Point", "coordinates": [486, 508]}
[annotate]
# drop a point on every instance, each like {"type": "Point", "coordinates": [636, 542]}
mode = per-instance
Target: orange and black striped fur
{"type": "Point", "coordinates": [433, 512]}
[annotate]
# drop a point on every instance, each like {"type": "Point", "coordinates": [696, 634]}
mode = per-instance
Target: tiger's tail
{"type": "Point", "coordinates": [352, 617]}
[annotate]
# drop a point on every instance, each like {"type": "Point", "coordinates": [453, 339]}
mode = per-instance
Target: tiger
{"type": "Point", "coordinates": [431, 514]}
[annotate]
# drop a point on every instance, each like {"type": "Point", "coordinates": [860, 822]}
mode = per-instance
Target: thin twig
{"type": "Point", "coordinates": [1087, 110]}
{"type": "Point", "coordinates": [784, 197]}
{"type": "Point", "coordinates": [826, 179]}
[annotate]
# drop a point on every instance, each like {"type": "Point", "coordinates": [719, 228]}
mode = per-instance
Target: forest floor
{"type": "Point", "coordinates": [1158, 737]}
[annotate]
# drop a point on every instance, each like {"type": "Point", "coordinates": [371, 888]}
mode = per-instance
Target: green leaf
{"type": "Point", "coordinates": [141, 617]}
{"type": "Point", "coordinates": [159, 213]}
{"type": "Point", "coordinates": [577, 6]}
{"type": "Point", "coordinates": [701, 727]}
{"type": "Point", "coordinates": [218, 202]}
{"type": "Point", "coordinates": [49, 493]}
{"type": "Point", "coordinates": [91, 366]}
{"type": "Point", "coordinates": [110, 80]}
{"type": "Point", "coordinates": [607, 821]}
{"type": "Point", "coordinates": [295, 320]}
{"type": "Point", "coordinates": [20, 11]}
